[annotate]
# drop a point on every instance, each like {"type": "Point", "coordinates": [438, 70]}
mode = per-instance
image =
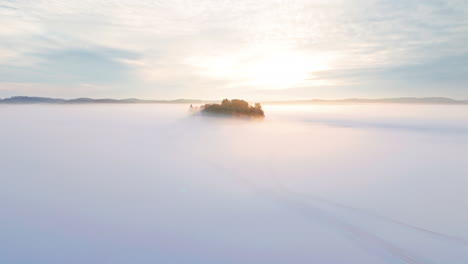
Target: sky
{"type": "Point", "coordinates": [254, 49]}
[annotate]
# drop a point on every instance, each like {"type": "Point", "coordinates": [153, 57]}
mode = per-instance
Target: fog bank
{"type": "Point", "coordinates": [309, 184]}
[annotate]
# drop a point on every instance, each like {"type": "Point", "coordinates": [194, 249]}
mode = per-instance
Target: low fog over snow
{"type": "Point", "coordinates": [364, 184]}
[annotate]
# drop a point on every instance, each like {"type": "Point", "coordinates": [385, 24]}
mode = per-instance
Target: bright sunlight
{"type": "Point", "coordinates": [275, 70]}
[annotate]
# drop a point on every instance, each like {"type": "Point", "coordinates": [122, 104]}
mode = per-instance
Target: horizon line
{"type": "Point", "coordinates": [83, 100]}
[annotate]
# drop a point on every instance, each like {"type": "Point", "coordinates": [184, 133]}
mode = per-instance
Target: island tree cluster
{"type": "Point", "coordinates": [234, 107]}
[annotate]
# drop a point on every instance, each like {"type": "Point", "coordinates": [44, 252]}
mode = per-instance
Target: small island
{"type": "Point", "coordinates": [234, 107]}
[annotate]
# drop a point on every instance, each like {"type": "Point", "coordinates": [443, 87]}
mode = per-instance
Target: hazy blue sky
{"type": "Point", "coordinates": [258, 49]}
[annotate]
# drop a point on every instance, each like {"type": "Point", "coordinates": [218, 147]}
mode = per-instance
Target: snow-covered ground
{"type": "Point", "coordinates": [309, 184]}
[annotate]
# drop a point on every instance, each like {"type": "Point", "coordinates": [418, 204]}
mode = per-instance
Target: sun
{"type": "Point", "coordinates": [281, 70]}
{"type": "Point", "coordinates": [273, 70]}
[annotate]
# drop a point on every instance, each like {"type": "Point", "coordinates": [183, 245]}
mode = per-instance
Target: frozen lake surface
{"type": "Point", "coordinates": [365, 184]}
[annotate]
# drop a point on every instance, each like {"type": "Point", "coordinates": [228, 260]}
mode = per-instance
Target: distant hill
{"type": "Point", "coordinates": [31, 100]}
{"type": "Point", "coordinates": [46, 100]}
{"type": "Point", "coordinates": [401, 100]}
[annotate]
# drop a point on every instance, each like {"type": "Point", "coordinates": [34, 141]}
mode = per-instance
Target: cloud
{"type": "Point", "coordinates": [70, 67]}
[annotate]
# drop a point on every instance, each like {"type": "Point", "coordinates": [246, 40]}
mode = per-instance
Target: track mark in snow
{"type": "Point", "coordinates": [368, 238]}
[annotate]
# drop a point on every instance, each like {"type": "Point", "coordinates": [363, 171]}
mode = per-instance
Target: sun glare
{"type": "Point", "coordinates": [282, 71]}
{"type": "Point", "coordinates": [276, 70]}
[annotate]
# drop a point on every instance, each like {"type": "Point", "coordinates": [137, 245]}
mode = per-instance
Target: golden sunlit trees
{"type": "Point", "coordinates": [235, 107]}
